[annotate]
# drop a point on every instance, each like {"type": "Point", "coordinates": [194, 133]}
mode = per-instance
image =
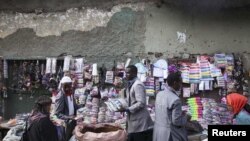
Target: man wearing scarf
{"type": "Point", "coordinates": [139, 122]}
{"type": "Point", "coordinates": [240, 108]}
{"type": "Point", "coordinates": [40, 127]}
{"type": "Point", "coordinates": [65, 106]}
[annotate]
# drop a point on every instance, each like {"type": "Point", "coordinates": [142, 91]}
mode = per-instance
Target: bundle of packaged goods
{"type": "Point", "coordinates": [195, 108]}
{"type": "Point", "coordinates": [116, 104]}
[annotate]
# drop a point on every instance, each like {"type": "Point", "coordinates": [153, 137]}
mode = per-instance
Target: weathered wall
{"type": "Point", "coordinates": [28, 6]}
{"type": "Point", "coordinates": [205, 31]}
{"type": "Point", "coordinates": [104, 36]}
{"type": "Point", "coordinates": [99, 36]}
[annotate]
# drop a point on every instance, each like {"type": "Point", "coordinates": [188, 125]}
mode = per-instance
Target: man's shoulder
{"type": "Point", "coordinates": [170, 94]}
{"type": "Point", "coordinates": [138, 82]}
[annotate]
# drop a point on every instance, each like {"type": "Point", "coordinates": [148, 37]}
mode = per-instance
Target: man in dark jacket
{"type": "Point", "coordinates": [65, 105]}
{"type": "Point", "coordinates": [40, 127]}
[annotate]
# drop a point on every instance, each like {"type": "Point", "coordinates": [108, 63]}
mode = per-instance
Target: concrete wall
{"type": "Point", "coordinates": [105, 36]}
{"type": "Point", "coordinates": [205, 31]}
{"type": "Point", "coordinates": [98, 35]}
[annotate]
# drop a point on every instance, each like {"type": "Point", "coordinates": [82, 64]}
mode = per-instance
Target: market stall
{"type": "Point", "coordinates": [99, 91]}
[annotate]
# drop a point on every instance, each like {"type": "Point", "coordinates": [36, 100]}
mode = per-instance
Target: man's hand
{"type": "Point", "coordinates": [123, 110]}
{"type": "Point", "coordinates": [72, 117]}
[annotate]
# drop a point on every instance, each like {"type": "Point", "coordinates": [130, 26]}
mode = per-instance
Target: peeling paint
{"type": "Point", "coordinates": [181, 37]}
{"type": "Point", "coordinates": [46, 24]}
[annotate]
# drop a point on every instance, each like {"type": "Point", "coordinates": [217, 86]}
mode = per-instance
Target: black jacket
{"type": "Point", "coordinates": [61, 106]}
{"type": "Point", "coordinates": [42, 130]}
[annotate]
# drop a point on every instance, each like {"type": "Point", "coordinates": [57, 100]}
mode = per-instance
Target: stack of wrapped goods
{"type": "Point", "coordinates": [226, 116]}
{"type": "Point", "coordinates": [230, 64]}
{"type": "Point", "coordinates": [215, 113]}
{"type": "Point", "coordinates": [87, 112]}
{"type": "Point", "coordinates": [150, 86]}
{"type": "Point", "coordinates": [194, 73]}
{"type": "Point", "coordinates": [102, 114]}
{"type": "Point", "coordinates": [195, 108]}
{"type": "Point", "coordinates": [185, 73]}
{"type": "Point", "coordinates": [109, 116]}
{"type": "Point", "coordinates": [95, 110]}
{"type": "Point", "coordinates": [205, 70]}
{"type": "Point", "coordinates": [1, 73]}
{"type": "Point", "coordinates": [220, 60]}
{"type": "Point", "coordinates": [122, 122]}
{"type": "Point", "coordinates": [208, 108]}
{"type": "Point", "coordinates": [221, 81]}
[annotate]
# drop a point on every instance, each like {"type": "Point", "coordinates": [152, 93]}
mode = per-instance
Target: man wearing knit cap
{"type": "Point", "coordinates": [65, 106]}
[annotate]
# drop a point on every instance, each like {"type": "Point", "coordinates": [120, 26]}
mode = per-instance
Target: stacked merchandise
{"type": "Point", "coordinates": [205, 70]}
{"type": "Point", "coordinates": [230, 64]}
{"type": "Point", "coordinates": [102, 114]}
{"type": "Point", "coordinates": [5, 69]}
{"type": "Point", "coordinates": [1, 72]}
{"type": "Point", "coordinates": [122, 122]}
{"type": "Point", "coordinates": [116, 104]}
{"type": "Point", "coordinates": [185, 73]}
{"type": "Point", "coordinates": [93, 113]}
{"type": "Point", "coordinates": [109, 77]}
{"type": "Point", "coordinates": [215, 113]}
{"type": "Point", "coordinates": [195, 108]}
{"type": "Point", "coordinates": [80, 96]}
{"type": "Point", "coordinates": [79, 80]}
{"type": "Point", "coordinates": [220, 60]}
{"type": "Point", "coordinates": [221, 82]}
{"type": "Point", "coordinates": [208, 108]}
{"type": "Point", "coordinates": [226, 117]}
{"type": "Point", "coordinates": [241, 84]}
{"type": "Point", "coordinates": [186, 92]}
{"type": "Point", "coordinates": [150, 86]}
{"type": "Point", "coordinates": [109, 116]}
{"type": "Point", "coordinates": [194, 73]}
{"type": "Point", "coordinates": [215, 71]}
{"type": "Point", "coordinates": [87, 111]}
{"type": "Point", "coordinates": [94, 110]}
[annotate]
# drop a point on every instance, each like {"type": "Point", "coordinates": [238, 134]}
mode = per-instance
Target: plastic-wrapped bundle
{"type": "Point", "coordinates": [220, 60]}
{"type": "Point", "coordinates": [109, 77]}
{"type": "Point", "coordinates": [87, 115]}
{"type": "Point", "coordinates": [104, 93]}
{"type": "Point", "coordinates": [95, 107]}
{"type": "Point", "coordinates": [101, 115]}
{"type": "Point", "coordinates": [122, 122]}
{"type": "Point", "coordinates": [194, 73]}
{"type": "Point", "coordinates": [94, 91]}
{"type": "Point", "coordinates": [195, 108]}
{"type": "Point", "coordinates": [109, 116]}
{"type": "Point", "coordinates": [116, 104]}
{"type": "Point", "coordinates": [5, 69]}
{"type": "Point", "coordinates": [150, 86]}
{"type": "Point", "coordinates": [205, 70]}
{"type": "Point", "coordinates": [185, 73]}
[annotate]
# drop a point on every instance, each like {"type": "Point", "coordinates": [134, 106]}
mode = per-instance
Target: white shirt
{"type": "Point", "coordinates": [70, 105]}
